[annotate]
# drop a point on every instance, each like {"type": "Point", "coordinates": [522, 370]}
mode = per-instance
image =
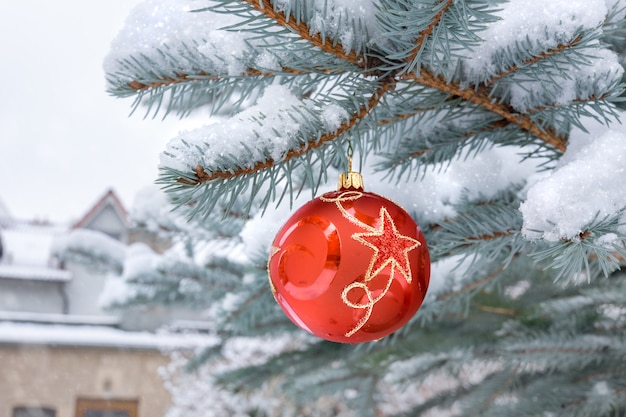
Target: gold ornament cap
{"type": "Point", "coordinates": [350, 179]}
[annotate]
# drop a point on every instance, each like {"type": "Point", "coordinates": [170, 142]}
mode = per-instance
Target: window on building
{"type": "Point", "coordinates": [106, 408]}
{"type": "Point", "coordinates": [34, 412]}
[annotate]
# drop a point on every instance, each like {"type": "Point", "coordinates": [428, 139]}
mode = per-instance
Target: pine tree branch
{"type": "Point", "coordinates": [165, 81]}
{"type": "Point", "coordinates": [476, 96]}
{"type": "Point", "coordinates": [471, 240]}
{"type": "Point", "coordinates": [550, 52]}
{"type": "Point", "coordinates": [406, 157]}
{"type": "Point", "coordinates": [482, 99]}
{"type": "Point", "coordinates": [261, 291]}
{"type": "Point", "coordinates": [498, 310]}
{"type": "Point", "coordinates": [564, 350]}
{"type": "Point", "coordinates": [503, 388]}
{"type": "Point", "coordinates": [202, 176]}
{"type": "Point", "coordinates": [303, 30]}
{"type": "Point", "coordinates": [429, 30]}
{"type": "Point", "coordinates": [603, 374]}
{"type": "Point", "coordinates": [480, 96]}
{"type": "Point", "coordinates": [591, 98]}
{"type": "Point", "coordinates": [181, 77]}
{"type": "Point", "coordinates": [472, 285]}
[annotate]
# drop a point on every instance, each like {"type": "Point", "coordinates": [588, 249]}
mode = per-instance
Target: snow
{"type": "Point", "coordinates": [242, 138]}
{"type": "Point", "coordinates": [158, 25]}
{"type": "Point", "coordinates": [333, 115]}
{"type": "Point", "coordinates": [24, 316]}
{"type": "Point", "coordinates": [583, 82]}
{"type": "Point", "coordinates": [90, 241]}
{"type": "Point", "coordinates": [198, 393]}
{"type": "Point", "coordinates": [138, 259]}
{"type": "Point", "coordinates": [558, 205]}
{"type": "Point", "coordinates": [340, 19]}
{"type": "Point", "coordinates": [587, 185]}
{"type": "Point", "coordinates": [546, 23]}
{"type": "Point", "coordinates": [27, 253]}
{"type": "Point", "coordinates": [30, 244]}
{"type": "Point", "coordinates": [151, 210]}
{"type": "Point", "coordinates": [97, 336]}
{"type": "Point", "coordinates": [115, 291]}
{"type": "Point", "coordinates": [537, 26]}
{"type": "Point", "coordinates": [34, 273]}
{"type": "Point", "coordinates": [601, 389]}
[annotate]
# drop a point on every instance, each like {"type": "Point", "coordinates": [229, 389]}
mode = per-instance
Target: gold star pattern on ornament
{"type": "Point", "coordinates": [390, 247]}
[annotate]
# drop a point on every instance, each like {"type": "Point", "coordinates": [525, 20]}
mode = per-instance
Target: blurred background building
{"type": "Point", "coordinates": [62, 354]}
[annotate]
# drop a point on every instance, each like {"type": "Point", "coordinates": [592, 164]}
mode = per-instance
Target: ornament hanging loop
{"type": "Point", "coordinates": [350, 180]}
{"type": "Point", "coordinates": [350, 153]}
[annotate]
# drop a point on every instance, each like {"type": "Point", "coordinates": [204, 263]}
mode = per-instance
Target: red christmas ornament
{"type": "Point", "coordinates": [349, 266]}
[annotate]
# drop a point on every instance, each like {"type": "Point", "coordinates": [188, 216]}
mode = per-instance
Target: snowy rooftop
{"type": "Point", "coordinates": [29, 244]}
{"type": "Point", "coordinates": [34, 273]}
{"type": "Point", "coordinates": [26, 253]}
{"type": "Point", "coordinates": [51, 318]}
{"type": "Point", "coordinates": [97, 336]}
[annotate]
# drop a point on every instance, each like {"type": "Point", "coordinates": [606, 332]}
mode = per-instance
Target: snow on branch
{"type": "Point", "coordinates": [588, 184]}
{"type": "Point", "coordinates": [92, 248]}
{"type": "Point", "coordinates": [300, 26]}
{"type": "Point", "coordinates": [279, 152]}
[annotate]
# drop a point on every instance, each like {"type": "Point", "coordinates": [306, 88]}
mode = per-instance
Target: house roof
{"type": "Point", "coordinates": [108, 199]}
{"type": "Point", "coordinates": [29, 244]}
{"type": "Point", "coordinates": [52, 318]}
{"type": "Point", "coordinates": [34, 273]}
{"type": "Point", "coordinates": [98, 336]}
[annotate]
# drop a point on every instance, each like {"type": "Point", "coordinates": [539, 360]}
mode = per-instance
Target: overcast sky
{"type": "Point", "coordinates": [63, 140]}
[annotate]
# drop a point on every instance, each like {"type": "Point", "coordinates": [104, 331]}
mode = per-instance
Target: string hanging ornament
{"type": "Point", "coordinates": [349, 266]}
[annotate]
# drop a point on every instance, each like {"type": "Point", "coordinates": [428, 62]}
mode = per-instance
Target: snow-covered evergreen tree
{"type": "Point", "coordinates": [495, 123]}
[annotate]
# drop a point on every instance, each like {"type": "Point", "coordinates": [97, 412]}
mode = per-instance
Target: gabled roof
{"type": "Point", "coordinates": [108, 199]}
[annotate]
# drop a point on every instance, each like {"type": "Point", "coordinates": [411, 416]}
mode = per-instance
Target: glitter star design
{"type": "Point", "coordinates": [390, 247]}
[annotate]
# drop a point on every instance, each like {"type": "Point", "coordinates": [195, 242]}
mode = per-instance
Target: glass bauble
{"type": "Point", "coordinates": [349, 266]}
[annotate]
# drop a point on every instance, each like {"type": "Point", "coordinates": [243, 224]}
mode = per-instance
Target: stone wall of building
{"type": "Point", "coordinates": [59, 378]}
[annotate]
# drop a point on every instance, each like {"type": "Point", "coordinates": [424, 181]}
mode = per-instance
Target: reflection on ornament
{"type": "Point", "coordinates": [349, 266]}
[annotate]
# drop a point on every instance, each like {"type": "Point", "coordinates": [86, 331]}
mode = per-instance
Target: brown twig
{"type": "Point", "coordinates": [185, 77]}
{"type": "Point", "coordinates": [481, 96]}
{"type": "Point", "coordinates": [579, 100]}
{"type": "Point", "coordinates": [498, 310]}
{"type": "Point", "coordinates": [419, 43]}
{"type": "Point", "coordinates": [603, 374]}
{"type": "Point", "coordinates": [303, 30]}
{"type": "Point", "coordinates": [535, 59]}
{"type": "Point", "coordinates": [482, 99]}
{"type": "Point", "coordinates": [177, 79]}
{"type": "Point", "coordinates": [498, 124]}
{"type": "Point", "coordinates": [575, 351]}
